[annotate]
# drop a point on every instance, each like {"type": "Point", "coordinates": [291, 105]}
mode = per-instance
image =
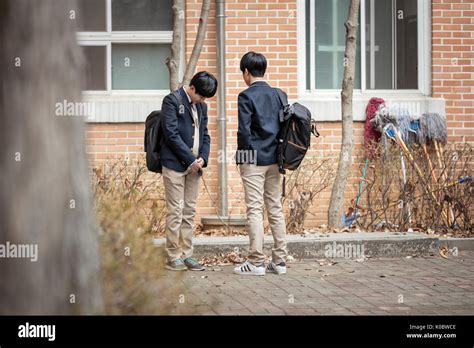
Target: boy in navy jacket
{"type": "Point", "coordinates": [257, 140]}
{"type": "Point", "coordinates": [183, 155]}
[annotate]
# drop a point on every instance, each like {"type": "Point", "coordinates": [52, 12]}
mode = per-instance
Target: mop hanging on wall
{"type": "Point", "coordinates": [371, 139]}
{"type": "Point", "coordinates": [371, 133]}
{"type": "Point", "coordinates": [392, 123]}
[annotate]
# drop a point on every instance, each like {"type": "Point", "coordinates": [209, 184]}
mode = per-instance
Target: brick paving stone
{"type": "Point", "coordinates": [427, 285]}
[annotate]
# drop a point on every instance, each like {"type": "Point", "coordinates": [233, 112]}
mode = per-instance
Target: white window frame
{"type": "Point", "coordinates": [424, 57]}
{"type": "Point", "coordinates": [107, 38]}
{"type": "Point", "coordinates": [114, 106]}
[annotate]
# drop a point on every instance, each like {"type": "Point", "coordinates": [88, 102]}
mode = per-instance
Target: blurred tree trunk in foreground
{"type": "Point", "coordinates": [44, 183]}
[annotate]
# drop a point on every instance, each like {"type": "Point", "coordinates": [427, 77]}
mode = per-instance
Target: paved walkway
{"type": "Point", "coordinates": [417, 286]}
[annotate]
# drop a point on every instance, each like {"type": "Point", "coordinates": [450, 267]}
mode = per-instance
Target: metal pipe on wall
{"type": "Point", "coordinates": [221, 108]}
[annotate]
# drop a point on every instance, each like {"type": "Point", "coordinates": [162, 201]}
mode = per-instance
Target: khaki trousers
{"type": "Point", "coordinates": [181, 191]}
{"type": "Point", "coordinates": [262, 185]}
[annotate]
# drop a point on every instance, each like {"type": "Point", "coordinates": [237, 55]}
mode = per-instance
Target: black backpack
{"type": "Point", "coordinates": [294, 138]}
{"type": "Point", "coordinates": [154, 137]}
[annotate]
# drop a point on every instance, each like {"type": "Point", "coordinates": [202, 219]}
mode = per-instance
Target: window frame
{"type": "Point", "coordinates": [424, 56]}
{"type": "Point", "coordinates": [109, 37]}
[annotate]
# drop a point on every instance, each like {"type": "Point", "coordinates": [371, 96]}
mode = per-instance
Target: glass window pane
{"type": "Point", "coordinates": [407, 45]}
{"type": "Point", "coordinates": [140, 66]}
{"type": "Point", "coordinates": [147, 15]}
{"type": "Point", "coordinates": [379, 44]}
{"type": "Point", "coordinates": [391, 21]}
{"type": "Point", "coordinates": [91, 15]}
{"type": "Point", "coordinates": [95, 68]}
{"type": "Point", "coordinates": [330, 36]}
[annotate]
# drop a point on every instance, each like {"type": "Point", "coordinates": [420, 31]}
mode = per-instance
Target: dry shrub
{"type": "Point", "coordinates": [423, 202]}
{"type": "Point", "coordinates": [302, 187]}
{"type": "Point", "coordinates": [129, 206]}
{"type": "Point", "coordinates": [139, 191]}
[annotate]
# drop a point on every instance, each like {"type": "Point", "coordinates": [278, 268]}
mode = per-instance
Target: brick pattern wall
{"type": "Point", "coordinates": [269, 27]}
{"type": "Point", "coordinates": [114, 140]}
{"type": "Point", "coordinates": [453, 64]}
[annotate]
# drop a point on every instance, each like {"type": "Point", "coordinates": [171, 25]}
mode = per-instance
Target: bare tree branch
{"type": "Point", "coordinates": [201, 35]}
{"type": "Point", "coordinates": [173, 62]}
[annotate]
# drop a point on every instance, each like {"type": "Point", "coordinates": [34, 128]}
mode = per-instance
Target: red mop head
{"type": "Point", "coordinates": [371, 135]}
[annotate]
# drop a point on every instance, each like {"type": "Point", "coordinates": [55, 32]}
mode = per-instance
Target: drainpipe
{"type": "Point", "coordinates": [221, 116]}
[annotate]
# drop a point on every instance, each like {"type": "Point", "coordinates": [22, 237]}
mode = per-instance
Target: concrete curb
{"type": "Point", "coordinates": [330, 245]}
{"type": "Point", "coordinates": [462, 244]}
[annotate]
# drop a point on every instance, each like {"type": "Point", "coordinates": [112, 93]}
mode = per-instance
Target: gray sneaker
{"type": "Point", "coordinates": [176, 265]}
{"type": "Point", "coordinates": [193, 265]}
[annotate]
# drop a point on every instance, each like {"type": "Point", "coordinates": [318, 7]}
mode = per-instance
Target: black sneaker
{"type": "Point", "coordinates": [193, 265]}
{"type": "Point", "coordinates": [176, 265]}
{"type": "Point", "coordinates": [276, 268]}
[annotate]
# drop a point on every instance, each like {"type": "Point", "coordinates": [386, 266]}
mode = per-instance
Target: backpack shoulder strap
{"type": "Point", "coordinates": [314, 130]}
{"type": "Point", "coordinates": [284, 102]}
{"type": "Point", "coordinates": [282, 96]}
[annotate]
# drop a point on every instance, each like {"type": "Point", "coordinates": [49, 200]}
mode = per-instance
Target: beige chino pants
{"type": "Point", "coordinates": [262, 186]}
{"type": "Point", "coordinates": [181, 191]}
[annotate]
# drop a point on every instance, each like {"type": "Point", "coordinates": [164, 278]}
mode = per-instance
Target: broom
{"type": "Point", "coordinates": [426, 133]}
{"type": "Point", "coordinates": [433, 130]}
{"type": "Point", "coordinates": [400, 118]}
{"type": "Point", "coordinates": [394, 134]}
{"type": "Point", "coordinates": [371, 138]}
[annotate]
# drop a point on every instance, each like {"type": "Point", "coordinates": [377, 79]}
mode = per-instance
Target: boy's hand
{"type": "Point", "coordinates": [196, 166]}
{"type": "Point", "coordinates": [201, 161]}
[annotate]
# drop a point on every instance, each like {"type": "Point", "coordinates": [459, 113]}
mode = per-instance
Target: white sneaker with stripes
{"type": "Point", "coordinates": [276, 268]}
{"type": "Point", "coordinates": [247, 268]}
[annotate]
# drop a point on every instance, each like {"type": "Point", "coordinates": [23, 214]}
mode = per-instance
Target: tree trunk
{"type": "Point", "coordinates": [345, 156]}
{"type": "Point", "coordinates": [45, 195]}
{"type": "Point", "coordinates": [200, 36]}
{"type": "Point", "coordinates": [173, 61]}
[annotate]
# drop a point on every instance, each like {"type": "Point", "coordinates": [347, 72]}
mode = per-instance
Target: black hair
{"type": "Point", "coordinates": [255, 63]}
{"type": "Point", "coordinates": [205, 84]}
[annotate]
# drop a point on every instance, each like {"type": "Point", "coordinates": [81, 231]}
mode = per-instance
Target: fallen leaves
{"type": "Point", "coordinates": [218, 232]}
{"type": "Point", "coordinates": [442, 252]}
{"type": "Point", "coordinates": [223, 259]}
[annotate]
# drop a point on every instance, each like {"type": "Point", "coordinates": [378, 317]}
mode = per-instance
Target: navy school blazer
{"type": "Point", "coordinates": [259, 124]}
{"type": "Point", "coordinates": [178, 131]}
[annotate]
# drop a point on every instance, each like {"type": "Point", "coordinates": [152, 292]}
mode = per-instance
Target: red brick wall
{"type": "Point", "coordinates": [269, 27]}
{"type": "Point", "coordinates": [453, 64]}
{"type": "Point", "coordinates": [114, 140]}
